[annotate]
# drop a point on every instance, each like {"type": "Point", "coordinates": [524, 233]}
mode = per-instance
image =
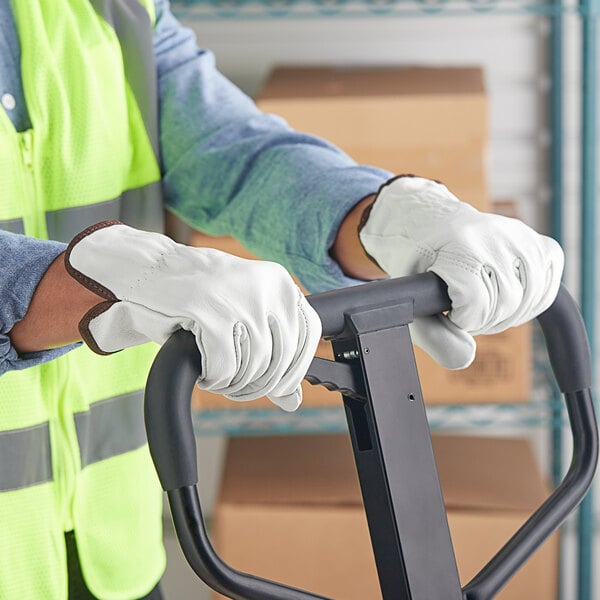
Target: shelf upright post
{"type": "Point", "coordinates": [556, 164]}
{"type": "Point", "coordinates": [556, 123]}
{"type": "Point", "coordinates": [589, 11]}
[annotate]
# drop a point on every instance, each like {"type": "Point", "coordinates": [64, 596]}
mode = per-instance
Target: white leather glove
{"type": "Point", "coordinates": [500, 273]}
{"type": "Point", "coordinates": [255, 330]}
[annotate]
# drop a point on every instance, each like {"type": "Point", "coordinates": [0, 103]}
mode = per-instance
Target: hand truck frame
{"type": "Point", "coordinates": [375, 371]}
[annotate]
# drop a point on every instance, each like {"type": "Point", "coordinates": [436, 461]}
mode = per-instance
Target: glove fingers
{"type": "Point", "coordinates": [231, 366]}
{"type": "Point", "coordinates": [267, 358]}
{"type": "Point", "coordinates": [539, 276]}
{"type": "Point", "coordinates": [288, 393]}
{"type": "Point", "coordinates": [280, 355]}
{"type": "Point", "coordinates": [507, 293]}
{"type": "Point", "coordinates": [481, 296]}
{"type": "Point", "coordinates": [262, 377]}
{"type": "Point", "coordinates": [290, 402]}
{"type": "Point", "coordinates": [447, 344]}
{"type": "Point", "coordinates": [533, 292]}
{"type": "Point", "coordinates": [556, 259]}
{"type": "Point", "coordinates": [547, 281]}
{"type": "Point", "coordinates": [510, 280]}
{"type": "Point", "coordinates": [233, 386]}
{"type": "Point", "coordinates": [282, 381]}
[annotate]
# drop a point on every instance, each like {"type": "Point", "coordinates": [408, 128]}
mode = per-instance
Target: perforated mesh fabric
{"type": "Point", "coordinates": [88, 144]}
{"type": "Point", "coordinates": [29, 516]}
{"type": "Point", "coordinates": [106, 522]}
{"type": "Point", "coordinates": [114, 505]}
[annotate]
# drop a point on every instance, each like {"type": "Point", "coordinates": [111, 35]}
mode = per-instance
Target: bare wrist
{"type": "Point", "coordinates": [347, 249]}
{"type": "Point", "coordinates": [57, 305]}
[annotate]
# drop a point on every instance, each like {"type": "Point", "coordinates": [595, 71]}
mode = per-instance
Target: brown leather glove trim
{"type": "Point", "coordinates": [87, 282]}
{"type": "Point", "coordinates": [402, 175]}
{"type": "Point", "coordinates": [366, 213]}
{"type": "Point", "coordinates": [84, 326]}
{"type": "Point", "coordinates": [364, 217]}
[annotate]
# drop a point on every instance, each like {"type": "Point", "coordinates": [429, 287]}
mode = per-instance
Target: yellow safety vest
{"type": "Point", "coordinates": [73, 452]}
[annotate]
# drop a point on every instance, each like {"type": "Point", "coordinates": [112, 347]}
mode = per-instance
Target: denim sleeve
{"type": "Point", "coordinates": [23, 261]}
{"type": "Point", "coordinates": [230, 169]}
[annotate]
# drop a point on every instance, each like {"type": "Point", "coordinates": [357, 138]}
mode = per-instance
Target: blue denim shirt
{"type": "Point", "coordinates": [228, 169]}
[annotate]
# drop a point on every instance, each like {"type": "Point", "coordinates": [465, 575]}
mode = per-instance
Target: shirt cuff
{"type": "Point", "coordinates": [24, 262]}
{"type": "Point", "coordinates": [11, 360]}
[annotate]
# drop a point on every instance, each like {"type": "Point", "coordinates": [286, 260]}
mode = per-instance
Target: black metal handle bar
{"type": "Point", "coordinates": [173, 446]}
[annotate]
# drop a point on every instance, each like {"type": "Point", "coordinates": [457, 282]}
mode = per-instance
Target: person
{"type": "Point", "coordinates": [110, 115]}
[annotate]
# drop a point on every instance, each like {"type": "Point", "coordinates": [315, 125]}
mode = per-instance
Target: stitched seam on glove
{"type": "Point", "coordinates": [149, 273]}
{"type": "Point", "coordinates": [84, 326]}
{"type": "Point", "coordinates": [420, 248]}
{"type": "Point", "coordinates": [238, 327]}
{"type": "Point", "coordinates": [88, 282]}
{"type": "Point", "coordinates": [426, 251]}
{"type": "Point", "coordinates": [449, 258]}
{"type": "Point", "coordinates": [301, 308]}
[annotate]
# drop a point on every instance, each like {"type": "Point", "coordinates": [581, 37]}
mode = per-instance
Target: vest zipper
{"type": "Point", "coordinates": [26, 149]}
{"type": "Point", "coordinates": [66, 450]}
{"type": "Point", "coordinates": [61, 426]}
{"type": "Point", "coordinates": [34, 219]}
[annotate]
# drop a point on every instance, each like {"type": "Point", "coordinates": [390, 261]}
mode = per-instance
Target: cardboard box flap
{"type": "Point", "coordinates": [332, 82]}
{"type": "Point", "coordinates": [489, 473]}
{"type": "Point", "coordinates": [475, 472]}
{"type": "Point", "coordinates": [311, 469]}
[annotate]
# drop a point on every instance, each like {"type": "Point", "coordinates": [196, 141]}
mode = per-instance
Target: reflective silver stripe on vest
{"type": "Point", "coordinates": [13, 225]}
{"type": "Point", "coordinates": [65, 223]}
{"type": "Point", "coordinates": [25, 458]}
{"type": "Point", "coordinates": [111, 427]}
{"type": "Point", "coordinates": [141, 208]}
{"type": "Point", "coordinates": [131, 23]}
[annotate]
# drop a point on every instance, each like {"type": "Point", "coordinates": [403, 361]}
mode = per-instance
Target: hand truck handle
{"type": "Point", "coordinates": [173, 446]}
{"type": "Point", "coordinates": [562, 324]}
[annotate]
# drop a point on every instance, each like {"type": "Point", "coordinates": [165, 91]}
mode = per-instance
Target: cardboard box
{"type": "Point", "coordinates": [423, 120]}
{"type": "Point", "coordinates": [501, 372]}
{"type": "Point", "coordinates": [290, 510]}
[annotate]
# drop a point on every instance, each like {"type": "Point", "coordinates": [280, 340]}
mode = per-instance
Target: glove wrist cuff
{"type": "Point", "coordinates": [92, 285]}
{"type": "Point", "coordinates": [84, 280]}
{"type": "Point", "coordinates": [84, 326]}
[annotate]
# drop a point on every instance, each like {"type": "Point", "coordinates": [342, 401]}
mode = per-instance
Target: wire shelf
{"type": "Point", "coordinates": [268, 421]}
{"type": "Point", "coordinates": [259, 9]}
{"type": "Point", "coordinates": [544, 408]}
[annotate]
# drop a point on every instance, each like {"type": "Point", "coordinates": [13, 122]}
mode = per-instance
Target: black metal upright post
{"type": "Point", "coordinates": [395, 461]}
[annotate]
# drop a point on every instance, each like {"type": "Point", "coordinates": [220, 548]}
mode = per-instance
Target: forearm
{"type": "Point", "coordinates": [24, 262]}
{"type": "Point", "coordinates": [347, 249]}
{"type": "Point", "coordinates": [58, 304]}
{"type": "Point", "coordinates": [231, 170]}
